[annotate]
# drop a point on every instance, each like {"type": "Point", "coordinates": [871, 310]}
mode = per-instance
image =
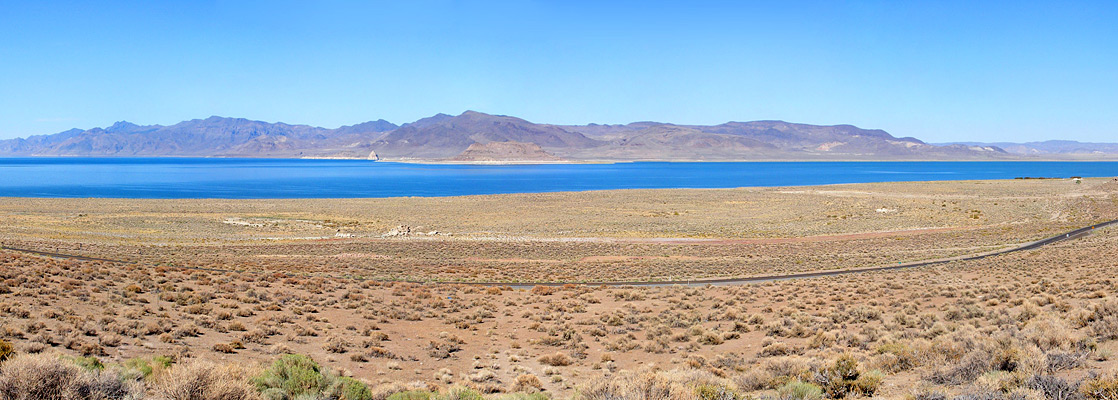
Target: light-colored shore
{"type": "Point", "coordinates": [596, 235]}
{"type": "Point", "coordinates": [1107, 158]}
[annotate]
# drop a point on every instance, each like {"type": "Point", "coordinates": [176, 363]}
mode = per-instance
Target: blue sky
{"type": "Point", "coordinates": [936, 70]}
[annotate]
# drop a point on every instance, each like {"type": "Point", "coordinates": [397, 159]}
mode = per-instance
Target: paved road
{"type": "Point", "coordinates": [698, 282]}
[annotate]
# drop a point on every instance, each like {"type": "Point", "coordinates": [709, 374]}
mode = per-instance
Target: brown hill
{"type": "Point", "coordinates": [504, 151]}
{"type": "Point", "coordinates": [444, 136]}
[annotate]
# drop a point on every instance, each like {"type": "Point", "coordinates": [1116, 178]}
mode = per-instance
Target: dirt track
{"type": "Point", "coordinates": [698, 282]}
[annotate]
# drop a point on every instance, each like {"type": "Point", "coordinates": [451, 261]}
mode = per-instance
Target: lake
{"type": "Point", "coordinates": [292, 178]}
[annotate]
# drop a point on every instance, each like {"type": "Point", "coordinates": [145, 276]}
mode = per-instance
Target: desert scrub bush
{"type": "Point", "coordinates": [1059, 361]}
{"type": "Point", "coordinates": [674, 384]}
{"type": "Point", "coordinates": [970, 367]}
{"type": "Point", "coordinates": [46, 377]}
{"type": "Point", "coordinates": [1103, 387]}
{"type": "Point", "coordinates": [205, 381]}
{"type": "Point", "coordinates": [412, 395]}
{"type": "Point", "coordinates": [336, 344]}
{"type": "Point", "coordinates": [6, 350]}
{"type": "Point", "coordinates": [1053, 387]}
{"type": "Point", "coordinates": [778, 349]}
{"type": "Point", "coordinates": [711, 338]}
{"type": "Point", "coordinates": [460, 393]}
{"type": "Point", "coordinates": [295, 376]}
{"type": "Point", "coordinates": [800, 390]}
{"type": "Point", "coordinates": [708, 391]}
{"type": "Point", "coordinates": [556, 360]}
{"type": "Point", "coordinates": [522, 396]}
{"type": "Point", "coordinates": [527, 383]}
{"type": "Point", "coordinates": [92, 364]}
{"type": "Point", "coordinates": [754, 379]}
{"type": "Point", "coordinates": [140, 368]}
{"type": "Point", "coordinates": [896, 357]}
{"type": "Point", "coordinates": [290, 376]}
{"type": "Point", "coordinates": [844, 377]}
{"type": "Point", "coordinates": [224, 348]}
{"type": "Point", "coordinates": [1052, 333]}
{"type": "Point", "coordinates": [1013, 357]}
{"type": "Point", "coordinates": [352, 389]}
{"type": "Point", "coordinates": [442, 350]}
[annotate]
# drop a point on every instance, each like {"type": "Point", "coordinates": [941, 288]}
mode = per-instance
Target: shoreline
{"type": "Point", "coordinates": [425, 161]}
{"type": "Point", "coordinates": [573, 235]}
{"type": "Point", "coordinates": [560, 192]}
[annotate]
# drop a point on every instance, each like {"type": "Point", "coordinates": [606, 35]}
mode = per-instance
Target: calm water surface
{"type": "Point", "coordinates": [286, 178]}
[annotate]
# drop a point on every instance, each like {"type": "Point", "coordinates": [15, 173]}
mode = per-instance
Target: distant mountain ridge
{"type": "Point", "coordinates": [1052, 147]}
{"type": "Point", "coordinates": [447, 137]}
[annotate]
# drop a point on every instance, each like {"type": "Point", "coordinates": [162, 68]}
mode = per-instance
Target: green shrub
{"type": "Point", "coordinates": [90, 363]}
{"type": "Point", "coordinates": [904, 356]}
{"type": "Point", "coordinates": [845, 368]}
{"type": "Point", "coordinates": [715, 392]}
{"type": "Point", "coordinates": [412, 395]}
{"type": "Point", "coordinates": [868, 382]}
{"type": "Point", "coordinates": [163, 361]}
{"type": "Point", "coordinates": [461, 393]}
{"type": "Point", "coordinates": [800, 390]}
{"type": "Point", "coordinates": [290, 376]}
{"type": "Point", "coordinates": [295, 376]}
{"type": "Point", "coordinates": [352, 389]}
{"type": "Point", "coordinates": [844, 378]}
{"type": "Point", "coordinates": [523, 396]}
{"type": "Point", "coordinates": [140, 367]}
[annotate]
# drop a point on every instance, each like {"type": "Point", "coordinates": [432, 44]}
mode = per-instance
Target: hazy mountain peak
{"type": "Point", "coordinates": [434, 119]}
{"type": "Point", "coordinates": [121, 126]}
{"type": "Point", "coordinates": [377, 126]}
{"type": "Point", "coordinates": [472, 115]}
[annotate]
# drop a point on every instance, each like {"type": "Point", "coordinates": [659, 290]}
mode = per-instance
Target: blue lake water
{"type": "Point", "coordinates": [287, 178]}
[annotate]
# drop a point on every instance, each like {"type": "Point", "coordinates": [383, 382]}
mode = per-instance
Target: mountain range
{"type": "Point", "coordinates": [474, 136]}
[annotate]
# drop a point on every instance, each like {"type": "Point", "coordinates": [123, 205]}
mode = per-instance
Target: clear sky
{"type": "Point", "coordinates": [936, 70]}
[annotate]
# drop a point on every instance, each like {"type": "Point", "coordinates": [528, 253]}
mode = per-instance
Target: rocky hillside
{"type": "Point", "coordinates": [447, 137]}
{"type": "Point", "coordinates": [444, 136]}
{"type": "Point", "coordinates": [776, 140]}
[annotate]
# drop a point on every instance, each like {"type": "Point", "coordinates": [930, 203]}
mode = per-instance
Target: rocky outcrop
{"type": "Point", "coordinates": [399, 231]}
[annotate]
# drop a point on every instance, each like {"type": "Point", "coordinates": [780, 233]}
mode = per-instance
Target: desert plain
{"type": "Point", "coordinates": [518, 295]}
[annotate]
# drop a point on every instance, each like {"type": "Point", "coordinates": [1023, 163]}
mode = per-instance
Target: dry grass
{"type": "Point", "coordinates": [200, 380]}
